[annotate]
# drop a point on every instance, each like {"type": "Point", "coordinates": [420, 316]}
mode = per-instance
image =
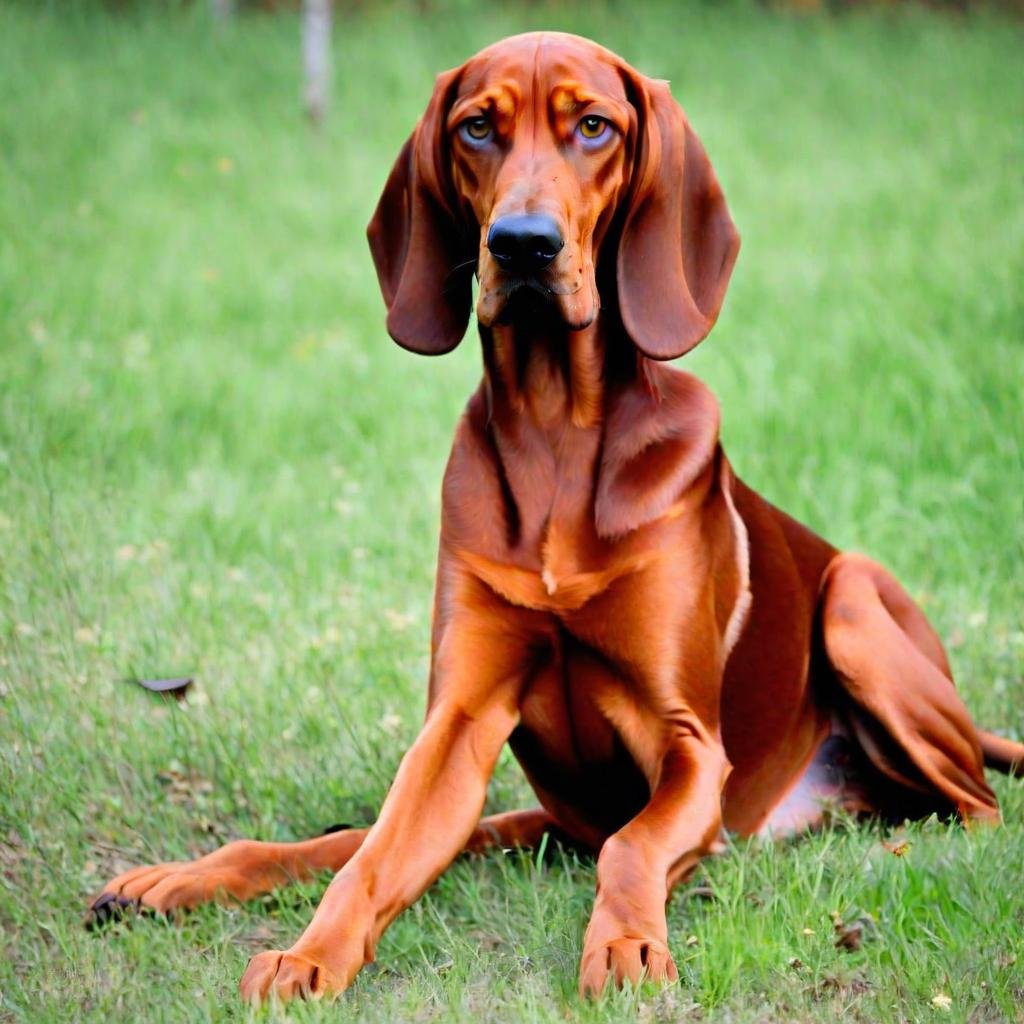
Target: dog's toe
{"type": "Point", "coordinates": [108, 908]}
{"type": "Point", "coordinates": [626, 961]}
{"type": "Point", "coordinates": [285, 975]}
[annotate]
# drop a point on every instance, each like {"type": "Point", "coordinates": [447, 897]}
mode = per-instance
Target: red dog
{"type": "Point", "coordinates": [668, 654]}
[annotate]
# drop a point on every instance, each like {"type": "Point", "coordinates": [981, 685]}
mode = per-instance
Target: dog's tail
{"type": "Point", "coordinates": [1002, 754]}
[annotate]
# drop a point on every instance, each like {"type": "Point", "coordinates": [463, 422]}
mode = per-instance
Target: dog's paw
{"type": "Point", "coordinates": [625, 960]}
{"type": "Point", "coordinates": [163, 888]}
{"type": "Point", "coordinates": [285, 975]}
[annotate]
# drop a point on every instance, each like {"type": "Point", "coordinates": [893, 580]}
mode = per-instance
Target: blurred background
{"type": "Point", "coordinates": [214, 463]}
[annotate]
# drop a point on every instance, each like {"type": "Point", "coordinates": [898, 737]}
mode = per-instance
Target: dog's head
{"type": "Point", "coordinates": [546, 164]}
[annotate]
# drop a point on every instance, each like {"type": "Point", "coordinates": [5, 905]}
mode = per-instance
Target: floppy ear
{"type": "Point", "coordinates": [424, 255]}
{"type": "Point", "coordinates": [678, 243]}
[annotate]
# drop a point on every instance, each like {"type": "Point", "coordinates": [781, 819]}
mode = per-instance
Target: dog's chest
{"type": "Point", "coordinates": [583, 734]}
{"type": "Point", "coordinates": [526, 527]}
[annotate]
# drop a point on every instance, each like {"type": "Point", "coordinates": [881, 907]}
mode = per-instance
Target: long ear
{"type": "Point", "coordinates": [678, 243]}
{"type": "Point", "coordinates": [425, 257]}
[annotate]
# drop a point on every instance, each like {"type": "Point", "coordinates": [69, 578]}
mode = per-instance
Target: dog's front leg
{"type": "Point", "coordinates": [627, 938]}
{"type": "Point", "coordinates": [431, 810]}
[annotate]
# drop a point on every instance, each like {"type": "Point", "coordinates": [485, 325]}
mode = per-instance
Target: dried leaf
{"type": "Point", "coordinates": [701, 892]}
{"type": "Point", "coordinates": [176, 687]}
{"type": "Point", "coordinates": [189, 790]}
{"type": "Point", "coordinates": [900, 848]}
{"type": "Point", "coordinates": [851, 935]}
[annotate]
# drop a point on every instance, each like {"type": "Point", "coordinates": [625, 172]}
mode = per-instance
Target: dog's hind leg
{"type": "Point", "coordinates": [247, 867]}
{"type": "Point", "coordinates": [515, 828]}
{"type": "Point", "coordinates": [1001, 754]}
{"type": "Point", "coordinates": [900, 702]}
{"type": "Point", "coordinates": [238, 871]}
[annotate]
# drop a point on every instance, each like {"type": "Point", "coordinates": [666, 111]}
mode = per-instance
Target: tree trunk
{"type": "Point", "coordinates": [316, 56]}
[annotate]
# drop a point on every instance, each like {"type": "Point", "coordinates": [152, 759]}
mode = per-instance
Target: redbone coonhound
{"type": "Point", "coordinates": [667, 653]}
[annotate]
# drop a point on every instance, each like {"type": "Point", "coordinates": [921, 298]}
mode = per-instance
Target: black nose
{"type": "Point", "coordinates": [526, 243]}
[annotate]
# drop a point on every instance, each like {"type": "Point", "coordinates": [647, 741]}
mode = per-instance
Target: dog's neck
{"type": "Point", "coordinates": [542, 373]}
{"type": "Point", "coordinates": [590, 434]}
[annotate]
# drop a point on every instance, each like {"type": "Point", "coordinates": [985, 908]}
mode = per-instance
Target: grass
{"type": "Point", "coordinates": [213, 461]}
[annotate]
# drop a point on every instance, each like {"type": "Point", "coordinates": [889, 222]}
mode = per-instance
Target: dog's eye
{"type": "Point", "coordinates": [477, 129]}
{"type": "Point", "coordinates": [592, 129]}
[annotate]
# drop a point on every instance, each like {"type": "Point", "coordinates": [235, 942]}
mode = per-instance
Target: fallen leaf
{"type": "Point", "coordinates": [850, 935]}
{"type": "Point", "coordinates": [176, 687]}
{"type": "Point", "coordinates": [701, 892]}
{"type": "Point", "coordinates": [898, 849]}
{"type": "Point", "coordinates": [185, 789]}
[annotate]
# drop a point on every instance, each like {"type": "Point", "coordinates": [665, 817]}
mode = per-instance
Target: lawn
{"type": "Point", "coordinates": [214, 462]}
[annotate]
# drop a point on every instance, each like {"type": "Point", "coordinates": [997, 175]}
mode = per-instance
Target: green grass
{"type": "Point", "coordinates": [213, 461]}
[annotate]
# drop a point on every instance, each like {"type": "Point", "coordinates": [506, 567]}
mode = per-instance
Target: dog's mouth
{"type": "Point", "coordinates": [527, 298]}
{"type": "Point", "coordinates": [510, 299]}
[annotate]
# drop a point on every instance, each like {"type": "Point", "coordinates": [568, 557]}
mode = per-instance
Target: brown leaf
{"type": "Point", "coordinates": [851, 935]}
{"type": "Point", "coordinates": [899, 848]}
{"type": "Point", "coordinates": [176, 687]}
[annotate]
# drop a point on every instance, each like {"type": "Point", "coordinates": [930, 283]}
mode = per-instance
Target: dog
{"type": "Point", "coordinates": [668, 655]}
